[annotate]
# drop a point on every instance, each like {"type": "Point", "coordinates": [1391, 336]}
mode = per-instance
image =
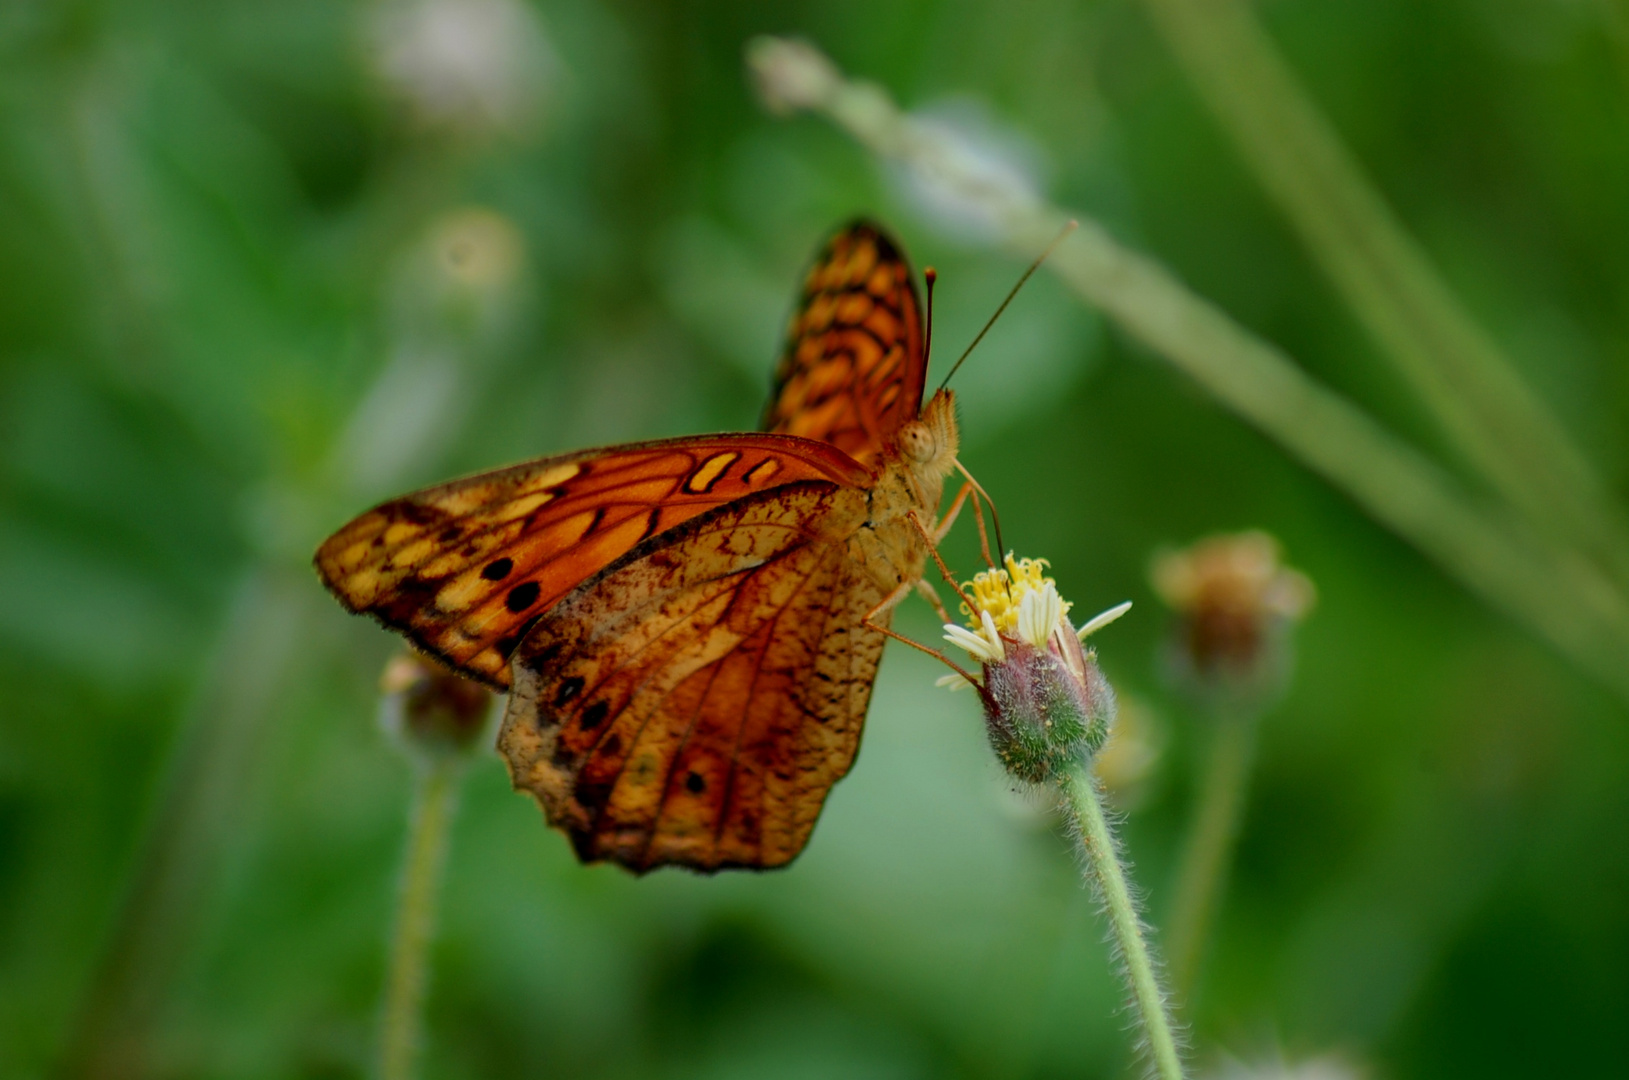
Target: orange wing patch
{"type": "Point", "coordinates": [467, 568]}
{"type": "Point", "coordinates": [695, 703]}
{"type": "Point", "coordinates": [853, 369]}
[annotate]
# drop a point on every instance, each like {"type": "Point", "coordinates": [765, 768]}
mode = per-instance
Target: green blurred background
{"type": "Point", "coordinates": [263, 265]}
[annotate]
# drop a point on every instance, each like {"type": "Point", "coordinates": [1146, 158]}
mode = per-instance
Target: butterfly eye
{"type": "Point", "coordinates": [918, 442]}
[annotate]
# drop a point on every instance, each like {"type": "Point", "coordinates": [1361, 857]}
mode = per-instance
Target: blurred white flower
{"type": "Point", "coordinates": [473, 67]}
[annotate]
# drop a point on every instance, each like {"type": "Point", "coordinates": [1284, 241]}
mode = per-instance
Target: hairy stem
{"type": "Point", "coordinates": [1085, 806]}
{"type": "Point", "coordinates": [1494, 420]}
{"type": "Point", "coordinates": [434, 804]}
{"type": "Point", "coordinates": [1203, 872]}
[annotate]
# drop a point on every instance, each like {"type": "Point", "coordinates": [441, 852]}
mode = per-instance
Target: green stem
{"type": "Point", "coordinates": [1085, 804]}
{"type": "Point", "coordinates": [1205, 862]}
{"type": "Point", "coordinates": [1493, 418]}
{"type": "Point", "coordinates": [435, 802]}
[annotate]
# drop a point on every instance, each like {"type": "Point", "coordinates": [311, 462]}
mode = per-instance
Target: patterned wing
{"type": "Point", "coordinates": [694, 704]}
{"type": "Point", "coordinates": [853, 369]}
{"type": "Point", "coordinates": [467, 568]}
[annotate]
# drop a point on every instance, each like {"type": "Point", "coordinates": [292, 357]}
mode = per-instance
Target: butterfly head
{"type": "Point", "coordinates": [929, 443]}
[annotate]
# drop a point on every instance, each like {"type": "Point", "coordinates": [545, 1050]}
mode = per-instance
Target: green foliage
{"type": "Point", "coordinates": [234, 311]}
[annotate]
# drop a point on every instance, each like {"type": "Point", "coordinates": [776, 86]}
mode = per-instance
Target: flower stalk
{"type": "Point", "coordinates": [435, 802]}
{"type": "Point", "coordinates": [1208, 855]}
{"type": "Point", "coordinates": [1084, 802]}
{"type": "Point", "coordinates": [1048, 711]}
{"type": "Point", "coordinates": [436, 718]}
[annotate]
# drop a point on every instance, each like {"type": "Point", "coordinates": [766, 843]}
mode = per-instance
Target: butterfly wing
{"type": "Point", "coordinates": [467, 568]}
{"type": "Point", "coordinates": [694, 703]}
{"type": "Point", "coordinates": [853, 370]}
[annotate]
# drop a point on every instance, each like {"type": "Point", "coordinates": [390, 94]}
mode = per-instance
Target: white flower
{"type": "Point", "coordinates": [952, 682]}
{"type": "Point", "coordinates": [1038, 613]}
{"type": "Point", "coordinates": [983, 645]}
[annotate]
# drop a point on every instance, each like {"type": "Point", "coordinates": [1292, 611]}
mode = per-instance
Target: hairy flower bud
{"type": "Point", "coordinates": [1043, 713]}
{"type": "Point", "coordinates": [1046, 703]}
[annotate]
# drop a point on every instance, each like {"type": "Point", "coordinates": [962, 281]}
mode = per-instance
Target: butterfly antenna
{"type": "Point", "coordinates": [1034, 266]}
{"type": "Point", "coordinates": [930, 275]}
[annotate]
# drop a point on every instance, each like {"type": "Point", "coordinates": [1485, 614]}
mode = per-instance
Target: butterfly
{"type": "Point", "coordinates": [689, 629]}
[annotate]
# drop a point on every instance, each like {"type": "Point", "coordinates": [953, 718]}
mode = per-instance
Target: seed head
{"type": "Point", "coordinates": [1235, 602]}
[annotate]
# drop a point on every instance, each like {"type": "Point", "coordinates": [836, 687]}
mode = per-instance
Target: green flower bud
{"type": "Point", "coordinates": [1046, 702]}
{"type": "Point", "coordinates": [1042, 713]}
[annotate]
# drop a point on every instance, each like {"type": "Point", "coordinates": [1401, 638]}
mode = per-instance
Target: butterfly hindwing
{"type": "Point", "coordinates": [695, 703]}
{"type": "Point", "coordinates": [465, 569]}
{"type": "Point", "coordinates": [853, 369]}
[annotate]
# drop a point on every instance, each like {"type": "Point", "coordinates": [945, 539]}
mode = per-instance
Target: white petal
{"type": "Point", "coordinates": [975, 644]}
{"type": "Point", "coordinates": [998, 650]}
{"type": "Point", "coordinates": [952, 682]}
{"type": "Point", "coordinates": [1098, 622]}
{"type": "Point", "coordinates": [1038, 613]}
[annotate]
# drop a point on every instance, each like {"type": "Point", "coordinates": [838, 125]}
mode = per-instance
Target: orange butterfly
{"type": "Point", "coordinates": [689, 629]}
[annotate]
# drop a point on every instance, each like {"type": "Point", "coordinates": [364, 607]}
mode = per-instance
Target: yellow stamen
{"type": "Point", "coordinates": [1000, 592]}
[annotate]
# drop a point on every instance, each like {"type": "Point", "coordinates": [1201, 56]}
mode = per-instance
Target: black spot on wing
{"type": "Point", "coordinates": [569, 688]}
{"type": "Point", "coordinates": [594, 715]}
{"type": "Point", "coordinates": [523, 596]}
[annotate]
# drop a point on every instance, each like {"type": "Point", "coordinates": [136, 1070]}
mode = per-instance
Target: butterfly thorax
{"type": "Point", "coordinates": [911, 479]}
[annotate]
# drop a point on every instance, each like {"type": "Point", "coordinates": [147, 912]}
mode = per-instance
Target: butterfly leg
{"type": "Point", "coordinates": [943, 569]}
{"type": "Point", "coordinates": [941, 530]}
{"type": "Point", "coordinates": [890, 601]}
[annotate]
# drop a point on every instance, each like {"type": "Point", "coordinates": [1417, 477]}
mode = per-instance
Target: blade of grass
{"type": "Point", "coordinates": [1558, 594]}
{"type": "Point", "coordinates": [1496, 423]}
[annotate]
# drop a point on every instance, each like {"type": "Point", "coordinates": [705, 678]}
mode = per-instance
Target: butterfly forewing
{"type": "Point", "coordinates": [853, 369]}
{"type": "Point", "coordinates": [696, 702]}
{"type": "Point", "coordinates": [465, 569]}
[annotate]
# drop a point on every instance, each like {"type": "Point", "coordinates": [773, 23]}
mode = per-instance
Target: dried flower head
{"type": "Point", "coordinates": [432, 711]}
{"type": "Point", "coordinates": [1236, 600]}
{"type": "Point", "coordinates": [1046, 704]}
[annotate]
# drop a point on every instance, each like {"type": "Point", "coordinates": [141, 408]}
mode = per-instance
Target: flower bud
{"type": "Point", "coordinates": [1042, 714]}
{"type": "Point", "coordinates": [433, 713]}
{"type": "Point", "coordinates": [1046, 702]}
{"type": "Point", "coordinates": [1236, 603]}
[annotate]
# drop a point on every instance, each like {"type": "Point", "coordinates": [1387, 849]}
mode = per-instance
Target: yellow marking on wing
{"type": "Point", "coordinates": [762, 471]}
{"type": "Point", "coordinates": [524, 505]}
{"type": "Point", "coordinates": [399, 531]}
{"type": "Point", "coordinates": [412, 553]}
{"type": "Point", "coordinates": [710, 471]}
{"type": "Point", "coordinates": [555, 476]}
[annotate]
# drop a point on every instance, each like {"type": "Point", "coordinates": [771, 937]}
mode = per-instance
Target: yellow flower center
{"type": "Point", "coordinates": [1001, 591]}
